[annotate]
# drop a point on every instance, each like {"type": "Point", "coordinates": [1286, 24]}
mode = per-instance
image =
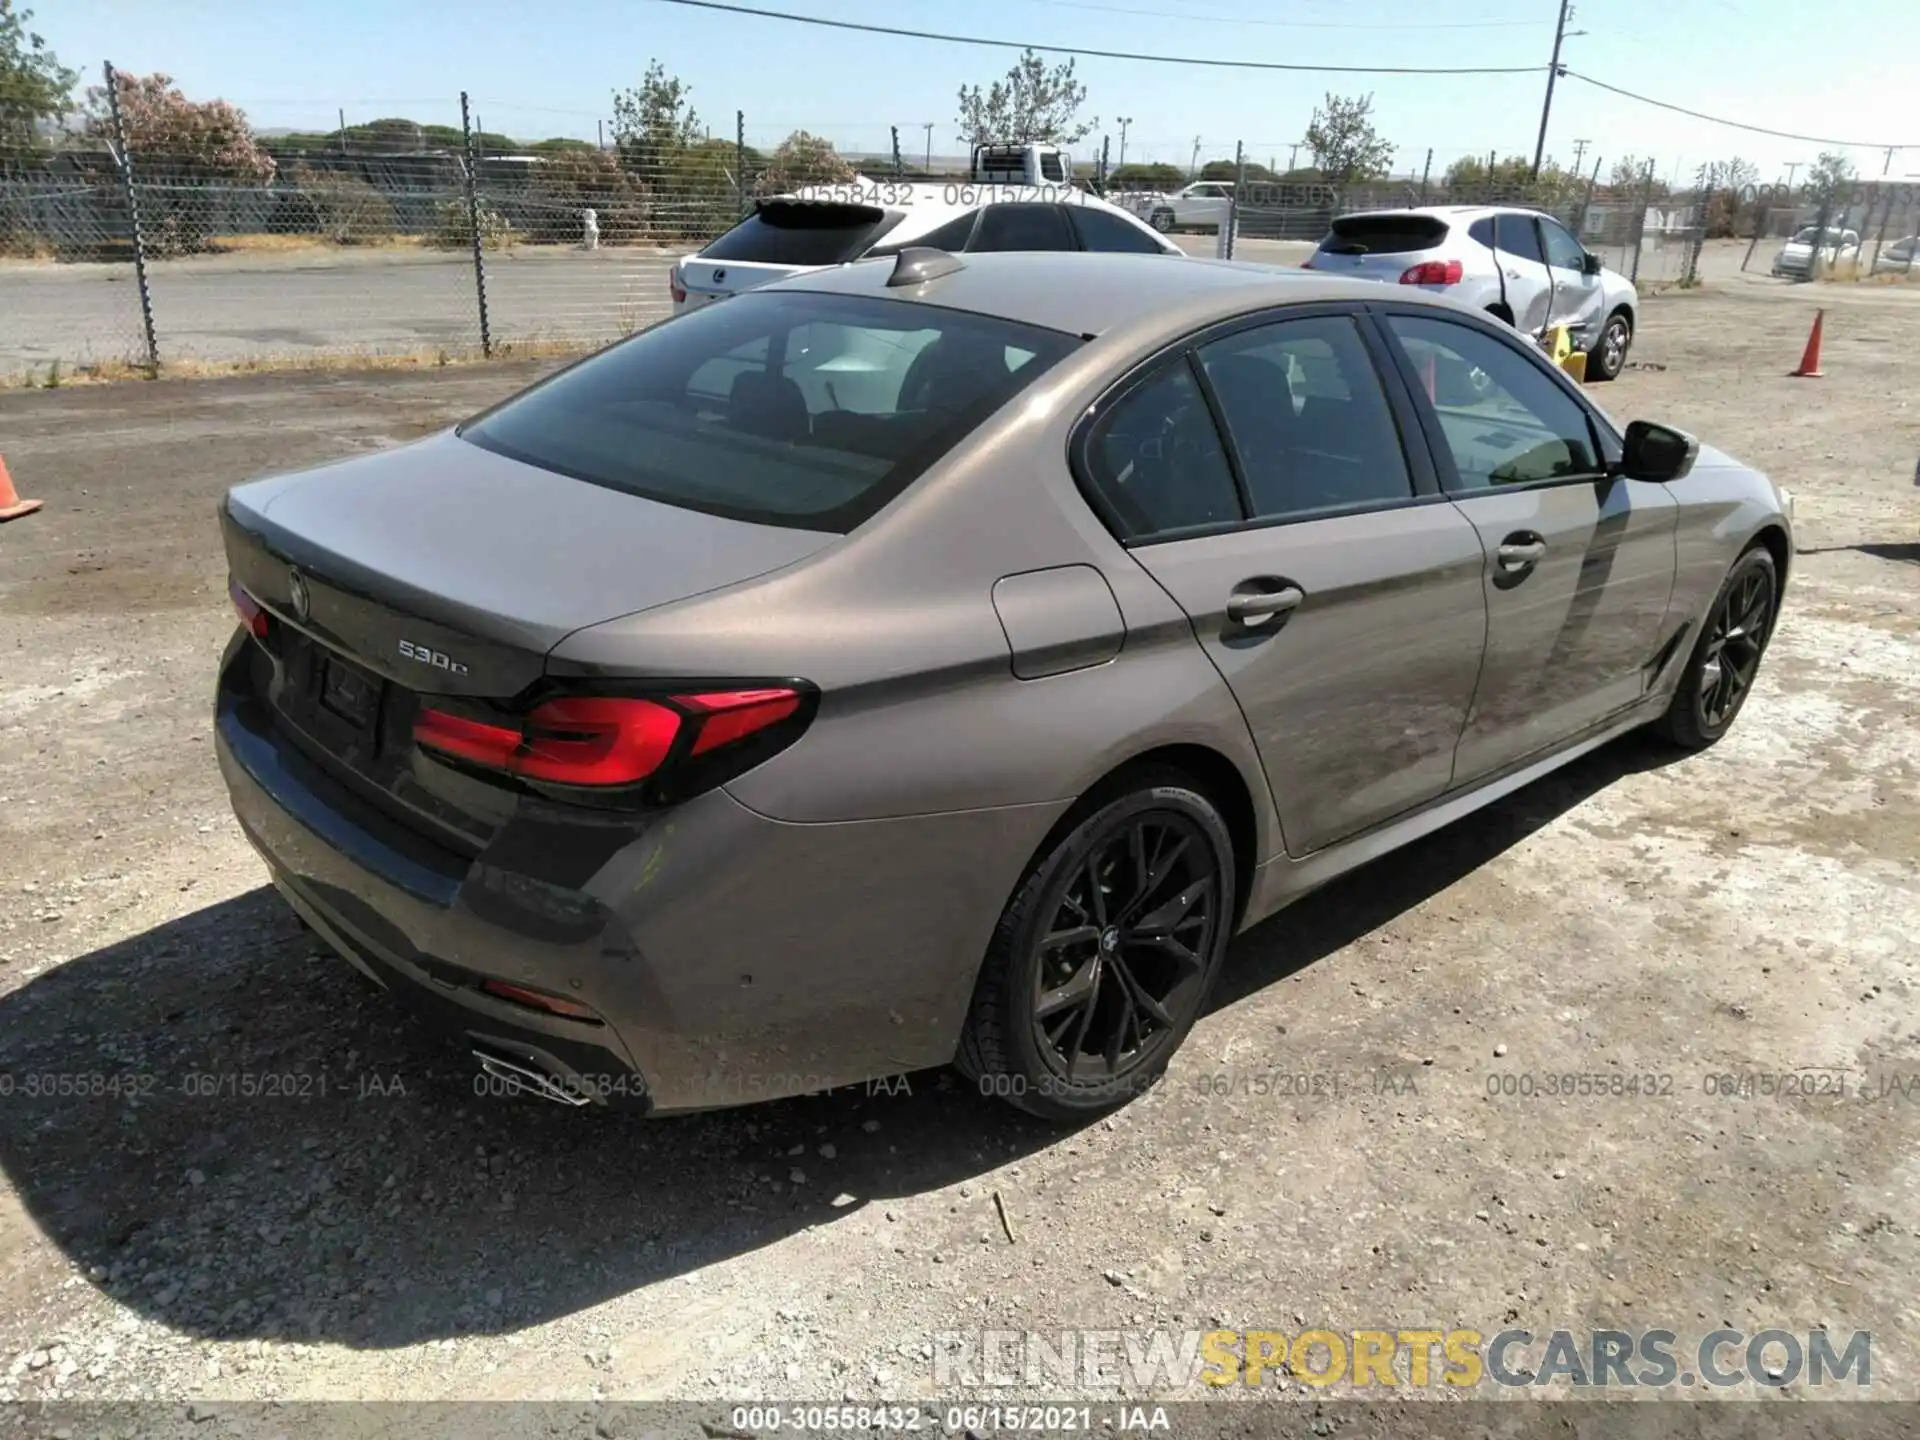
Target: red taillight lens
{"type": "Point", "coordinates": [248, 609]}
{"type": "Point", "coordinates": [588, 740]}
{"type": "Point", "coordinates": [610, 741]}
{"type": "Point", "coordinates": [1307, 264]}
{"type": "Point", "coordinates": [732, 715]}
{"type": "Point", "coordinates": [674, 287]}
{"type": "Point", "coordinates": [1434, 272]}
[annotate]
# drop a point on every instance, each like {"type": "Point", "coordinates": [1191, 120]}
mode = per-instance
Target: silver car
{"type": "Point", "coordinates": [1520, 265]}
{"type": "Point", "coordinates": [941, 658]}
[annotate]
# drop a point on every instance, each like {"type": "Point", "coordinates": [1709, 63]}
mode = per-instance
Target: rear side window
{"type": "Point", "coordinates": [951, 236]}
{"type": "Point", "coordinates": [1482, 230]}
{"type": "Point", "coordinates": [1384, 234]}
{"type": "Point", "coordinates": [1103, 230]}
{"type": "Point", "coordinates": [1022, 227]}
{"type": "Point", "coordinates": [795, 232]}
{"type": "Point", "coordinates": [1157, 460]}
{"type": "Point", "coordinates": [1051, 168]}
{"type": "Point", "coordinates": [804, 410]}
{"type": "Point", "coordinates": [1308, 417]}
{"type": "Point", "coordinates": [1519, 237]}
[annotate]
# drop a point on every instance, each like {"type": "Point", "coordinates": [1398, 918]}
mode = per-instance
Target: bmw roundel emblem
{"type": "Point", "coordinates": [297, 593]}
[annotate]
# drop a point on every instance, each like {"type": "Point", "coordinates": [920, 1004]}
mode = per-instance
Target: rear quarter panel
{"type": "Point", "coordinates": [921, 711]}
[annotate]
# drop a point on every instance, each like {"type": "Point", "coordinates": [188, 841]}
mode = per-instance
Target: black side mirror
{"type": "Point", "coordinates": [1590, 264]}
{"type": "Point", "coordinates": [1657, 452]}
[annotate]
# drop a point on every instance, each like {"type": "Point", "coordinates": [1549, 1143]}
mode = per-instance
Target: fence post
{"type": "Point", "coordinates": [1880, 238]}
{"type": "Point", "coordinates": [896, 150]}
{"type": "Point", "coordinates": [1640, 223]}
{"type": "Point", "coordinates": [1426, 174]}
{"type": "Point", "coordinates": [133, 211]}
{"type": "Point", "coordinates": [473, 227]}
{"type": "Point", "coordinates": [1105, 141]}
{"type": "Point", "coordinates": [740, 157]}
{"type": "Point", "coordinates": [1820, 238]}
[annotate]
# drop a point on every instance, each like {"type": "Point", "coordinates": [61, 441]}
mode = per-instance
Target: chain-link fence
{"type": "Point", "coordinates": [133, 245]}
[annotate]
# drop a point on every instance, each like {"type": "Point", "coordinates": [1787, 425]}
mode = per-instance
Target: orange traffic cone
{"type": "Point", "coordinates": [12, 507]}
{"type": "Point", "coordinates": [1810, 358]}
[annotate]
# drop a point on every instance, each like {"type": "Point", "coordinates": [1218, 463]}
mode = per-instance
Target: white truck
{"type": "Point", "coordinates": [1021, 163]}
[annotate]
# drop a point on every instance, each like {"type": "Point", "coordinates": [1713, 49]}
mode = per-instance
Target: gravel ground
{"type": "Point", "coordinates": [344, 1218]}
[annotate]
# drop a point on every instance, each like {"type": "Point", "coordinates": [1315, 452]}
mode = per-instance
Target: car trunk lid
{"type": "Point", "coordinates": [782, 237]}
{"type": "Point", "coordinates": [1379, 247]}
{"type": "Point", "coordinates": [441, 572]}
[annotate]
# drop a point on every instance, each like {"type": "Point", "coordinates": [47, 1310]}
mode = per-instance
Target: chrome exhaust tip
{"type": "Point", "coordinates": [524, 1077]}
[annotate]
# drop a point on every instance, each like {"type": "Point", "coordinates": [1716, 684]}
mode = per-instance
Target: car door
{"type": "Point", "coordinates": [1579, 564]}
{"type": "Point", "coordinates": [1577, 296]}
{"type": "Point", "coordinates": [1259, 475]}
{"type": "Point", "coordinates": [1528, 284]}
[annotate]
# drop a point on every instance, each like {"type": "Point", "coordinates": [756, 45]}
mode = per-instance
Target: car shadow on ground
{"type": "Point", "coordinates": [231, 1132]}
{"type": "Point", "coordinates": [1908, 551]}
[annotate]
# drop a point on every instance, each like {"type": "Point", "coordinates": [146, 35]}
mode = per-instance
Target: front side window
{"type": "Point", "coordinates": [1563, 251]}
{"type": "Point", "coordinates": [1103, 230]}
{"type": "Point", "coordinates": [1157, 461]}
{"type": "Point", "coordinates": [1308, 417]}
{"type": "Point", "coordinates": [803, 410]}
{"type": "Point", "coordinates": [1505, 421]}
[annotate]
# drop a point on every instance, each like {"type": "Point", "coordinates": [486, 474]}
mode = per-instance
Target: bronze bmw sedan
{"type": "Point", "coordinates": [939, 659]}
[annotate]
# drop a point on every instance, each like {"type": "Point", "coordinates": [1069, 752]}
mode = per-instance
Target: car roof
{"type": "Point", "coordinates": [926, 206]}
{"type": "Point", "coordinates": [1089, 293]}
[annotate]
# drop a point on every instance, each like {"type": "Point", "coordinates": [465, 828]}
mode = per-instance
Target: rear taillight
{"type": "Point", "coordinates": [257, 621]}
{"type": "Point", "coordinates": [1433, 272]}
{"type": "Point", "coordinates": [539, 1000]}
{"type": "Point", "coordinates": [1307, 264]}
{"type": "Point", "coordinates": [674, 287]}
{"type": "Point", "coordinates": [667, 747]}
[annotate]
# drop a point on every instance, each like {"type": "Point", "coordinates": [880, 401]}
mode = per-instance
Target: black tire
{"type": "Point", "coordinates": [1726, 657]}
{"type": "Point", "coordinates": [1608, 357]}
{"type": "Point", "coordinates": [1162, 220]}
{"type": "Point", "coordinates": [1168, 965]}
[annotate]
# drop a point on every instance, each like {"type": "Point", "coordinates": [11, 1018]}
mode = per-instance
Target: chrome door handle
{"type": "Point", "coordinates": [1264, 604]}
{"type": "Point", "coordinates": [1518, 556]}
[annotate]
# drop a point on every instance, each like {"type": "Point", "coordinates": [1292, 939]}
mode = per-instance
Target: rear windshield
{"type": "Point", "coordinates": [1383, 234]}
{"type": "Point", "coordinates": [790, 232]}
{"type": "Point", "coordinates": [803, 410]}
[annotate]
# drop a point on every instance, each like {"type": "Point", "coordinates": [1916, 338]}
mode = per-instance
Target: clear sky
{"type": "Point", "coordinates": [547, 67]}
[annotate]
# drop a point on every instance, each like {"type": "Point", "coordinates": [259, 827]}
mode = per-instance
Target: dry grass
{"type": "Point", "coordinates": [293, 244]}
{"type": "Point", "coordinates": [109, 372]}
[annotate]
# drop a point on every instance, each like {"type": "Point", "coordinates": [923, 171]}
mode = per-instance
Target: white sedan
{"type": "Point", "coordinates": [833, 224]}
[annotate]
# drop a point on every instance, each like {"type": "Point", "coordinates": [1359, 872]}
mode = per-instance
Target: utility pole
{"type": "Point", "coordinates": [1125, 121]}
{"type": "Point", "coordinates": [928, 127]}
{"type": "Point", "coordinates": [1889, 165]}
{"type": "Point", "coordinates": [1553, 73]}
{"type": "Point", "coordinates": [343, 137]}
{"type": "Point", "coordinates": [1293, 158]}
{"type": "Point", "coordinates": [1579, 153]}
{"type": "Point", "coordinates": [1193, 165]}
{"type": "Point", "coordinates": [1795, 165]}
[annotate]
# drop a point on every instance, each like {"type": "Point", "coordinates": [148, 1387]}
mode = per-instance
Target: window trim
{"type": "Point", "coordinates": [1422, 475]}
{"type": "Point", "coordinates": [1600, 432]}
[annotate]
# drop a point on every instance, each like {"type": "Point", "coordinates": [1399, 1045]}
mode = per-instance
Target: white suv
{"type": "Point", "coordinates": [821, 225]}
{"type": "Point", "coordinates": [1522, 265]}
{"type": "Point", "coordinates": [1203, 205]}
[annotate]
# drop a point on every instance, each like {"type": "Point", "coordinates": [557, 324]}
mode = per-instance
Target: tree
{"type": "Point", "coordinates": [1344, 143]}
{"type": "Point", "coordinates": [1632, 175]}
{"type": "Point", "coordinates": [1511, 181]}
{"type": "Point", "coordinates": [1716, 189]}
{"type": "Point", "coordinates": [34, 85]}
{"type": "Point", "coordinates": [1031, 103]}
{"type": "Point", "coordinates": [1830, 180]}
{"type": "Point", "coordinates": [1135, 176]}
{"type": "Point", "coordinates": [654, 123]}
{"type": "Point", "coordinates": [1227, 170]}
{"type": "Point", "coordinates": [189, 147]}
{"type": "Point", "coordinates": [802, 159]}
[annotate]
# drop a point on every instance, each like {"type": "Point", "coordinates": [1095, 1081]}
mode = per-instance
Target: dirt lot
{"type": "Point", "coordinates": [382, 1232]}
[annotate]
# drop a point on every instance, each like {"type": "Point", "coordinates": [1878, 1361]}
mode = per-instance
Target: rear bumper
{"type": "Point", "coordinates": [728, 957]}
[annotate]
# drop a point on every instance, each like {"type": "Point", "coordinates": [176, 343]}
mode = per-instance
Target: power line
{"type": "Point", "coordinates": [1187, 16]}
{"type": "Point", "coordinates": [1731, 124]}
{"type": "Point", "coordinates": [1106, 54]}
